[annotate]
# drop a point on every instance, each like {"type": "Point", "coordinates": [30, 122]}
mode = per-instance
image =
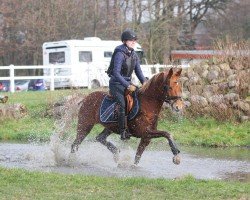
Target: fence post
{"type": "Point", "coordinates": [52, 78]}
{"type": "Point", "coordinates": [12, 79]}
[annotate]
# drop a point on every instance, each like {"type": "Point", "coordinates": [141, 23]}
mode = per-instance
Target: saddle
{"type": "Point", "coordinates": [109, 107]}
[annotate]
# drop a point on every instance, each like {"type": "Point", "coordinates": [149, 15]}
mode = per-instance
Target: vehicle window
{"type": "Point", "coordinates": [108, 54]}
{"type": "Point", "coordinates": [85, 56]}
{"type": "Point", "coordinates": [57, 57]}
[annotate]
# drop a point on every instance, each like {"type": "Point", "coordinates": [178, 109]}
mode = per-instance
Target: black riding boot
{"type": "Point", "coordinates": [125, 135]}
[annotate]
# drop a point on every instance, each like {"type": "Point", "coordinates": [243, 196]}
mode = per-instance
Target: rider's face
{"type": "Point", "coordinates": [130, 43]}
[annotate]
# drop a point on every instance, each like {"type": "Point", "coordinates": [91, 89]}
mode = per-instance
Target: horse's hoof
{"type": "Point", "coordinates": [177, 159]}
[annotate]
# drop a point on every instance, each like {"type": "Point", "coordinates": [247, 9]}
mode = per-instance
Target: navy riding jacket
{"type": "Point", "coordinates": [119, 59]}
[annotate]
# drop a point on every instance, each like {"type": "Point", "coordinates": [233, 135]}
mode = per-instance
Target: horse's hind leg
{"type": "Point", "coordinates": [82, 132]}
{"type": "Point", "coordinates": [102, 138]}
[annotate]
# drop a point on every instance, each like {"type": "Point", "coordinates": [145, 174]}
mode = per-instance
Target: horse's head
{"type": "Point", "coordinates": [165, 86]}
{"type": "Point", "coordinates": [173, 89]}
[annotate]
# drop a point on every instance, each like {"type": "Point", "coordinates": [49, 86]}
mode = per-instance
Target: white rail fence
{"type": "Point", "coordinates": [148, 71]}
{"type": "Point", "coordinates": [12, 77]}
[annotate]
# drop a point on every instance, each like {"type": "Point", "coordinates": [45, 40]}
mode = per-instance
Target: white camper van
{"type": "Point", "coordinates": [87, 61]}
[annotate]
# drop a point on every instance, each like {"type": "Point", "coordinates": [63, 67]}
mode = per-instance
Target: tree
{"type": "Point", "coordinates": [194, 13]}
{"type": "Point", "coordinates": [233, 22]}
{"type": "Point", "coordinates": [162, 25]}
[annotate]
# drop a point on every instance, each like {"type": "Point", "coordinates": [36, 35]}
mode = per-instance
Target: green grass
{"type": "Point", "coordinates": [37, 126]}
{"type": "Point", "coordinates": [208, 132]}
{"type": "Point", "coordinates": [21, 184]}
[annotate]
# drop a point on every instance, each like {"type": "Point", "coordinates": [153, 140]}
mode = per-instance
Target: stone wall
{"type": "Point", "coordinates": [222, 86]}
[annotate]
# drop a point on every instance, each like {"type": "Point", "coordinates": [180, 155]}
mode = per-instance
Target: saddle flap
{"type": "Point", "coordinates": [108, 109]}
{"type": "Point", "coordinates": [129, 102]}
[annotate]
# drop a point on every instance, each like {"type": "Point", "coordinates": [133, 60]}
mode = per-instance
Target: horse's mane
{"type": "Point", "coordinates": [145, 87]}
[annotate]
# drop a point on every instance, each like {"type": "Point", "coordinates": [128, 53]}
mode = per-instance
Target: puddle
{"type": "Point", "coordinates": [94, 159]}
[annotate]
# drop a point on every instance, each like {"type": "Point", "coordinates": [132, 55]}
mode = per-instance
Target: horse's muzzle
{"type": "Point", "coordinates": [176, 103]}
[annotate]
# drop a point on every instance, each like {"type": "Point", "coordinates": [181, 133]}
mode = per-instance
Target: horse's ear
{"type": "Point", "coordinates": [178, 73]}
{"type": "Point", "coordinates": [170, 73]}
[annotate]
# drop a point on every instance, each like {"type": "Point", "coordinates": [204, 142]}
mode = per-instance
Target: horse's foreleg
{"type": "Point", "coordinates": [102, 138]}
{"type": "Point", "coordinates": [82, 132]}
{"type": "Point", "coordinates": [173, 146]}
{"type": "Point", "coordinates": [143, 144]}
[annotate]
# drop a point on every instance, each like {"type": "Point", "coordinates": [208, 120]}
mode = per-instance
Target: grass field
{"type": "Point", "coordinates": [23, 185]}
{"type": "Point", "coordinates": [37, 126]}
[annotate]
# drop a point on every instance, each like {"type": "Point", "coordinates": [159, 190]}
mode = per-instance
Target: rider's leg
{"type": "Point", "coordinates": [122, 124]}
{"type": "Point", "coordinates": [117, 92]}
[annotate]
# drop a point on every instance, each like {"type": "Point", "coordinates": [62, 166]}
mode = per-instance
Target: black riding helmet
{"type": "Point", "coordinates": [128, 35]}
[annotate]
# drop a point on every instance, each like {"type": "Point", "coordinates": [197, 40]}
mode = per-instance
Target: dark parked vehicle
{"type": "Point", "coordinates": [24, 85]}
{"type": "Point", "coordinates": [37, 85]}
{"type": "Point", "coordinates": [20, 85]}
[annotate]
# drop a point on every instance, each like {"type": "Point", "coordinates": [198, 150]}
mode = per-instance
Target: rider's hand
{"type": "Point", "coordinates": [144, 83]}
{"type": "Point", "coordinates": [131, 88]}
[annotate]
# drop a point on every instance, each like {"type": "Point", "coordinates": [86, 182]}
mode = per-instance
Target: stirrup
{"type": "Point", "coordinates": [125, 135]}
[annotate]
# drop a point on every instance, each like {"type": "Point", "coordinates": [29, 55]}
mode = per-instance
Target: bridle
{"type": "Point", "coordinates": [170, 99]}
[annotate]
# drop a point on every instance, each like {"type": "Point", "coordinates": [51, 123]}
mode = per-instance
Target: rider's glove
{"type": "Point", "coordinates": [131, 88]}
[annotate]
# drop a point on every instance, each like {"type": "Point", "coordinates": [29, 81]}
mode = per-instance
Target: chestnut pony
{"type": "Point", "coordinates": [162, 87]}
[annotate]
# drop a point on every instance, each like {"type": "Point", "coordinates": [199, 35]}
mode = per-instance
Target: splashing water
{"type": "Point", "coordinates": [94, 159]}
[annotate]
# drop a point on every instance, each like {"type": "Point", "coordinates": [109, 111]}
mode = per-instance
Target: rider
{"type": "Point", "coordinates": [124, 62]}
